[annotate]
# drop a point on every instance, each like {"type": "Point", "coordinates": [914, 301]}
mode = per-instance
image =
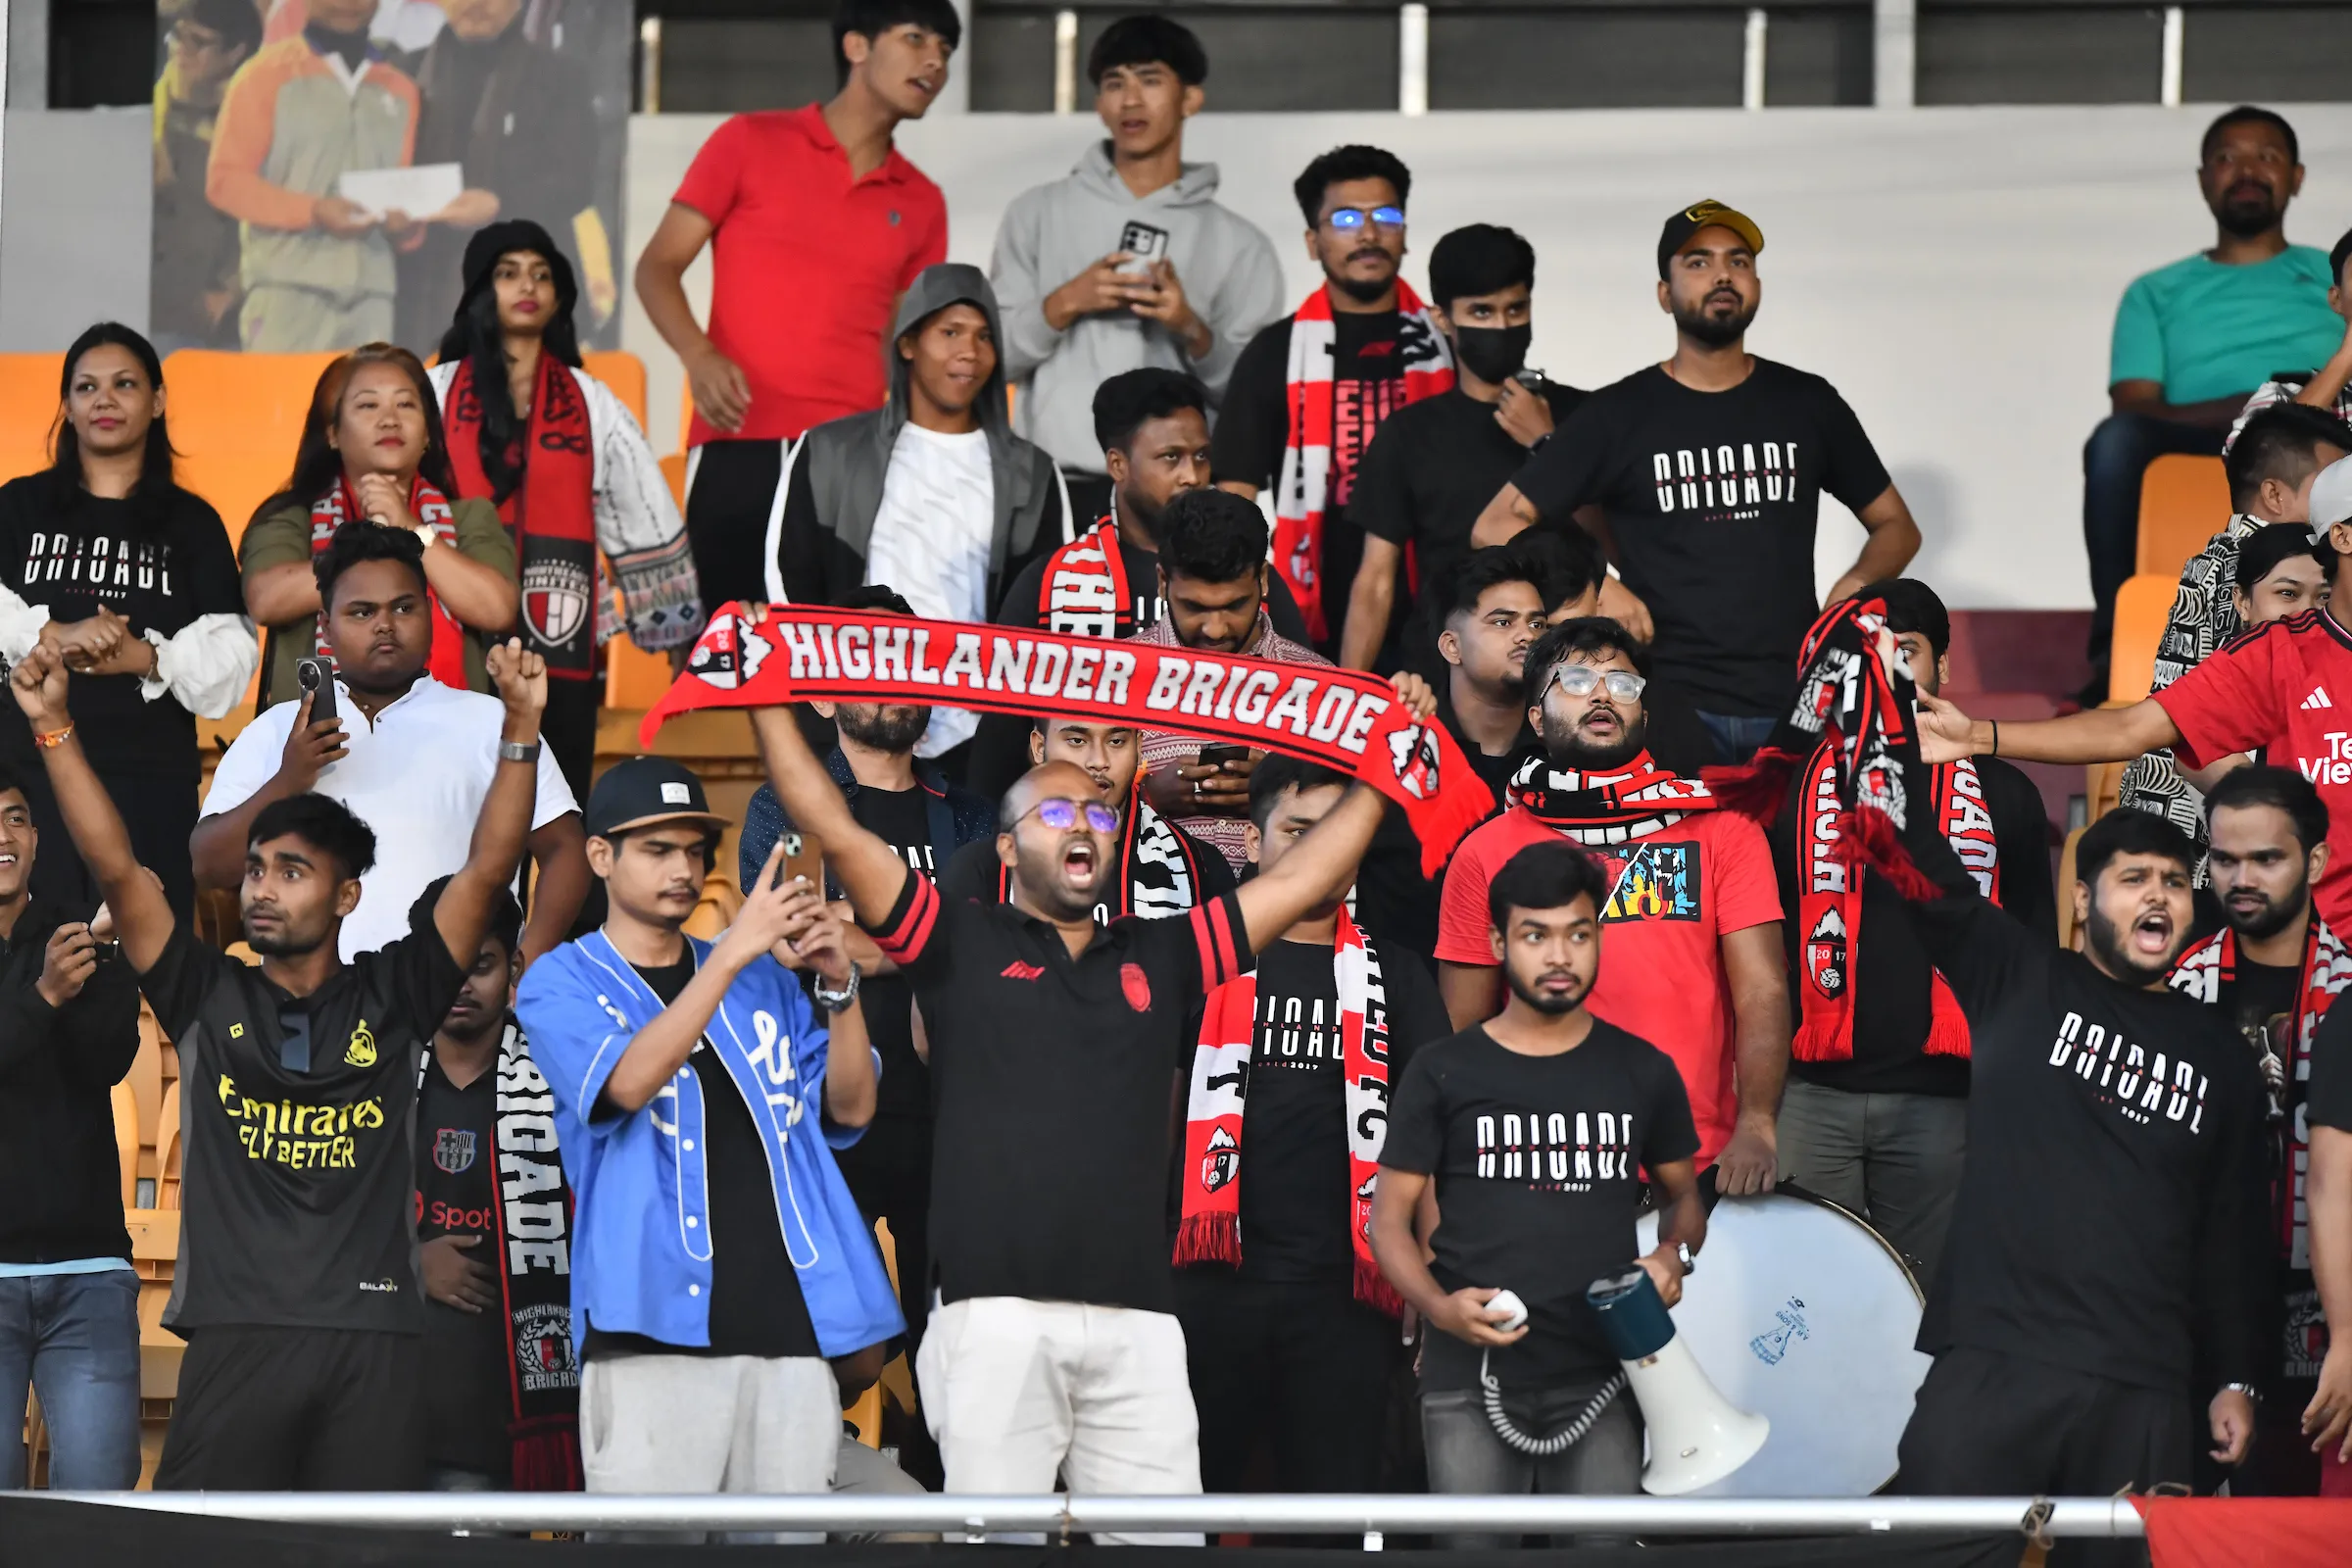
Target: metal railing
{"type": "Point", "coordinates": [1057, 1515]}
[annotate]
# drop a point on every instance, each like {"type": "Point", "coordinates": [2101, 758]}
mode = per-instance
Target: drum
{"type": "Point", "coordinates": [1800, 1312]}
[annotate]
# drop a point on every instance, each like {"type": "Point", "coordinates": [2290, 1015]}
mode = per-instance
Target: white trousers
{"type": "Point", "coordinates": [1016, 1390]}
{"type": "Point", "coordinates": [691, 1423]}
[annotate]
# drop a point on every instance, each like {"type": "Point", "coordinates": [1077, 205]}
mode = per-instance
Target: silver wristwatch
{"type": "Point", "coordinates": [1689, 1260]}
{"type": "Point", "coordinates": [2253, 1395]}
{"type": "Point", "coordinates": [518, 751]}
{"type": "Point", "coordinates": [836, 1001]}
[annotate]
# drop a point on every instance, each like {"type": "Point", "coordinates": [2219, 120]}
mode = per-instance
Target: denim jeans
{"type": "Point", "coordinates": [75, 1338]}
{"type": "Point", "coordinates": [1737, 737]}
{"type": "Point", "coordinates": [2119, 449]}
{"type": "Point", "coordinates": [1466, 1456]}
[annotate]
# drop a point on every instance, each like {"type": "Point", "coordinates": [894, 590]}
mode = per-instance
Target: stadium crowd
{"type": "Point", "coordinates": [550, 1193]}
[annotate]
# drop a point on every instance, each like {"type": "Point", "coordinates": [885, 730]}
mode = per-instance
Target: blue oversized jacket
{"type": "Point", "coordinates": [641, 1249]}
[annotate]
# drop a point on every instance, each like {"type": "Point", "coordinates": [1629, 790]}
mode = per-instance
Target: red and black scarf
{"type": "Point", "coordinates": [1303, 492]}
{"type": "Point", "coordinates": [1211, 1228]}
{"type": "Point", "coordinates": [446, 662]}
{"type": "Point", "coordinates": [1828, 907]}
{"type": "Point", "coordinates": [1085, 591]}
{"type": "Point", "coordinates": [550, 516]}
{"type": "Point", "coordinates": [1160, 869]}
{"type": "Point", "coordinates": [2202, 972]}
{"type": "Point", "coordinates": [1598, 810]}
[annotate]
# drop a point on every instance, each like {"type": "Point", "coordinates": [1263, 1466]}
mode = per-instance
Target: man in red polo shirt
{"type": "Point", "coordinates": [1693, 910]}
{"type": "Point", "coordinates": [817, 227]}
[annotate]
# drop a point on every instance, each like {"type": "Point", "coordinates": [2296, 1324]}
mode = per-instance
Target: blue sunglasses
{"type": "Point", "coordinates": [1351, 220]}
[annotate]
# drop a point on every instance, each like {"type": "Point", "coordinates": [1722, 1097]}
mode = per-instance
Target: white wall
{"type": "Point", "coordinates": [73, 225]}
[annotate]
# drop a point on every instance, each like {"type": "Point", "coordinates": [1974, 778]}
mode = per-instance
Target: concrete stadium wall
{"type": "Point", "coordinates": [1953, 270]}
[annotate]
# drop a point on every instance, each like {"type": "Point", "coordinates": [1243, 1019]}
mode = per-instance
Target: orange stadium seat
{"type": "Point", "coordinates": [236, 419]}
{"type": "Point", "coordinates": [27, 410]}
{"type": "Point", "coordinates": [624, 373]}
{"type": "Point", "coordinates": [2141, 607]}
{"type": "Point", "coordinates": [2183, 500]}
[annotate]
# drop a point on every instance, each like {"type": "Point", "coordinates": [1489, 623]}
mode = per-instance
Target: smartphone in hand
{"type": "Point", "coordinates": [315, 676]}
{"type": "Point", "coordinates": [803, 857]}
{"type": "Point", "coordinates": [1219, 755]}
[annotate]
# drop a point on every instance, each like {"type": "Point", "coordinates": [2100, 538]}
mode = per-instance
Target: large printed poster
{"type": "Point", "coordinates": [319, 164]}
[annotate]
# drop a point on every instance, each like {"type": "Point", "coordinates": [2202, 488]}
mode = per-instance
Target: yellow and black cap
{"type": "Point", "coordinates": [1705, 215]}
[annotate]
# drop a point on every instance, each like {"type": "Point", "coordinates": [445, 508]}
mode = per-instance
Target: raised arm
{"type": "Point", "coordinates": [142, 914]}
{"type": "Point", "coordinates": [462, 914]}
{"type": "Point", "coordinates": [2094, 735]}
{"type": "Point", "coordinates": [869, 870]}
{"type": "Point", "coordinates": [1318, 866]}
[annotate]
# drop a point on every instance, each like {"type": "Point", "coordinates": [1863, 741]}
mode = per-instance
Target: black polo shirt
{"type": "Point", "coordinates": [1050, 1081]}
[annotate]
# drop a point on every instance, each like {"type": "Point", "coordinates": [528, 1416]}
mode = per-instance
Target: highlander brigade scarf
{"type": "Point", "coordinates": [1211, 1231]}
{"type": "Point", "coordinates": [1597, 809]}
{"type": "Point", "coordinates": [446, 662]}
{"type": "Point", "coordinates": [1344, 719]}
{"type": "Point", "coordinates": [1303, 493]}
{"type": "Point", "coordinates": [1084, 591]}
{"type": "Point", "coordinates": [533, 1207]}
{"type": "Point", "coordinates": [2202, 972]}
{"type": "Point", "coordinates": [550, 516]}
{"type": "Point", "coordinates": [1829, 909]}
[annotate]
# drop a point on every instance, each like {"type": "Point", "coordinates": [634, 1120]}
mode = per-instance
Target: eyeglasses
{"type": "Point", "coordinates": [1583, 681]}
{"type": "Point", "coordinates": [1062, 814]}
{"type": "Point", "coordinates": [1351, 220]}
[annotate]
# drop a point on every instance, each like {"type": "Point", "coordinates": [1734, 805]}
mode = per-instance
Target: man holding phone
{"type": "Point", "coordinates": [1213, 576]}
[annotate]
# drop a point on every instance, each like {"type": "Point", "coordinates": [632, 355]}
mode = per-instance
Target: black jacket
{"type": "Point", "coordinates": [57, 1069]}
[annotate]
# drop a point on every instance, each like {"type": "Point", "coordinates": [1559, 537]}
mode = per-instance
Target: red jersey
{"type": "Point", "coordinates": [1674, 895]}
{"type": "Point", "coordinates": [2284, 689]}
{"type": "Point", "coordinates": [805, 265]}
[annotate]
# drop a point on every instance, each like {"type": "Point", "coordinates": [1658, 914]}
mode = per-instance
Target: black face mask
{"type": "Point", "coordinates": [1492, 354]}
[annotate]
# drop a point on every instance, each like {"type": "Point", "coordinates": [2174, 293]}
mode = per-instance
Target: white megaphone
{"type": "Point", "coordinates": [1696, 1436]}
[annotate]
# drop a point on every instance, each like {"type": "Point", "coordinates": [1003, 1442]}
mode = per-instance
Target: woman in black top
{"type": "Point", "coordinates": [105, 557]}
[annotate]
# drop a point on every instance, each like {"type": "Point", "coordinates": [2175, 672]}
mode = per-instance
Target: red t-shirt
{"type": "Point", "coordinates": [805, 265]}
{"type": "Point", "coordinates": [1674, 895]}
{"type": "Point", "coordinates": [2276, 690]}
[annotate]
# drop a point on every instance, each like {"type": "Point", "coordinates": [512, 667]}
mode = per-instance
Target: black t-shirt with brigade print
{"type": "Point", "coordinates": [1712, 499]}
{"type": "Point", "coordinates": [297, 1179]}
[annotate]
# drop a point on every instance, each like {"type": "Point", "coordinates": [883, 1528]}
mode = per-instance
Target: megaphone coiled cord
{"type": "Point", "coordinates": [1559, 1441]}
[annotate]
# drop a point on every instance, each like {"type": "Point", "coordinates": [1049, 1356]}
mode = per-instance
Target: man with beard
{"type": "Point", "coordinates": [1875, 1116]}
{"type": "Point", "coordinates": [1547, 1217]}
{"type": "Point", "coordinates": [2106, 1258]}
{"type": "Point", "coordinates": [1310, 391]}
{"type": "Point", "coordinates": [2275, 970]}
{"type": "Point", "coordinates": [1708, 471]}
{"type": "Point", "coordinates": [1435, 464]}
{"type": "Point", "coordinates": [1213, 576]}
{"type": "Point", "coordinates": [1053, 1041]}
{"type": "Point", "coordinates": [1161, 870]}
{"type": "Point", "coordinates": [2195, 338]}
{"type": "Point", "coordinates": [1692, 903]}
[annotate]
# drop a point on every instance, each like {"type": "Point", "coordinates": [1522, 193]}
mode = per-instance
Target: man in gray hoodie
{"type": "Point", "coordinates": [1130, 260]}
{"type": "Point", "coordinates": [931, 494]}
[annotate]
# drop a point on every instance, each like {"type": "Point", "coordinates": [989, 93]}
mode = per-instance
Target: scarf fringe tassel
{"type": "Point", "coordinates": [1209, 1239]}
{"type": "Point", "coordinates": [1373, 1289]}
{"type": "Point", "coordinates": [547, 1454]}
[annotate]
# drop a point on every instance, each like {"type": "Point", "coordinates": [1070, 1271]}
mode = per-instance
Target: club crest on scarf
{"type": "Point", "coordinates": [1222, 1162]}
{"type": "Point", "coordinates": [1416, 757]}
{"type": "Point", "coordinates": [1825, 952]}
{"type": "Point", "coordinates": [730, 652]}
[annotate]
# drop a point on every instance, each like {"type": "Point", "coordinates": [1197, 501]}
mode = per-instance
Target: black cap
{"type": "Point", "coordinates": [1705, 215]}
{"type": "Point", "coordinates": [486, 245]}
{"type": "Point", "coordinates": [643, 791]}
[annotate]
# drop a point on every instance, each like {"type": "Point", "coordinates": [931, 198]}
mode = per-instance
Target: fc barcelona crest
{"type": "Point", "coordinates": [453, 1150]}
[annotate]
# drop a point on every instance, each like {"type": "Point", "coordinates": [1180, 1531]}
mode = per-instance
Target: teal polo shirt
{"type": "Point", "coordinates": [2206, 330]}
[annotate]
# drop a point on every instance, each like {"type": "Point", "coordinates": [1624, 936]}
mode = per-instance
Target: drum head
{"type": "Point", "coordinates": [1801, 1312]}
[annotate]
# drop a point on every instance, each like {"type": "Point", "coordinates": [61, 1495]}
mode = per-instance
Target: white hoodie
{"type": "Point", "coordinates": [1052, 233]}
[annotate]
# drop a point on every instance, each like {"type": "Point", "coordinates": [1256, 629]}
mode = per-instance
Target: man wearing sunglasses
{"type": "Point", "coordinates": [1362, 347]}
{"type": "Point", "coordinates": [1693, 914]}
{"type": "Point", "coordinates": [1055, 1041]}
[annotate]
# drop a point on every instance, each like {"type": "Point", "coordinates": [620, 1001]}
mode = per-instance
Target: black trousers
{"type": "Point", "coordinates": [272, 1409]}
{"type": "Point", "coordinates": [1304, 1366]}
{"type": "Point", "coordinates": [726, 518]}
{"type": "Point", "coordinates": [569, 729]}
{"type": "Point", "coordinates": [1991, 1425]}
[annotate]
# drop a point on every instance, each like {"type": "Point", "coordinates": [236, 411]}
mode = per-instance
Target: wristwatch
{"type": "Point", "coordinates": [2253, 1395]}
{"type": "Point", "coordinates": [518, 751]}
{"type": "Point", "coordinates": [836, 1001]}
{"type": "Point", "coordinates": [1689, 1260]}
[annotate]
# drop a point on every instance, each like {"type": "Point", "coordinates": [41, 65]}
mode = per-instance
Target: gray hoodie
{"type": "Point", "coordinates": [1053, 232]}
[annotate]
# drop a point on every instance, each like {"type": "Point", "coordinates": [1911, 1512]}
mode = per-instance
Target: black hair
{"type": "Point", "coordinates": [506, 915]}
{"type": "Point", "coordinates": [2126, 831]}
{"type": "Point", "coordinates": [475, 337]}
{"type": "Point", "coordinates": [1478, 258]}
{"type": "Point", "coordinates": [2282, 787]}
{"type": "Point", "coordinates": [362, 541]}
{"type": "Point", "coordinates": [1486, 569]}
{"type": "Point", "coordinates": [1149, 39]}
{"type": "Point", "coordinates": [1127, 402]}
{"type": "Point", "coordinates": [1545, 876]}
{"type": "Point", "coordinates": [1912, 606]}
{"type": "Point", "coordinates": [1342, 164]}
{"type": "Point", "coordinates": [2266, 547]}
{"type": "Point", "coordinates": [1212, 536]}
{"type": "Point", "coordinates": [317, 465]}
{"type": "Point", "coordinates": [2281, 443]}
{"type": "Point", "coordinates": [1277, 773]}
{"type": "Point", "coordinates": [2250, 114]}
{"type": "Point", "coordinates": [876, 596]}
{"type": "Point", "coordinates": [1564, 562]}
{"type": "Point", "coordinates": [2337, 257]}
{"type": "Point", "coordinates": [870, 18]}
{"type": "Point", "coordinates": [237, 22]}
{"type": "Point", "coordinates": [1581, 637]}
{"type": "Point", "coordinates": [156, 480]}
{"type": "Point", "coordinates": [321, 821]}
{"type": "Point", "coordinates": [9, 781]}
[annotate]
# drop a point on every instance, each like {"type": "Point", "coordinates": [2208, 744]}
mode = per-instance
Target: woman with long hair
{"type": "Point", "coordinates": [571, 475]}
{"type": "Point", "coordinates": [372, 454]}
{"type": "Point", "coordinates": [105, 558]}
